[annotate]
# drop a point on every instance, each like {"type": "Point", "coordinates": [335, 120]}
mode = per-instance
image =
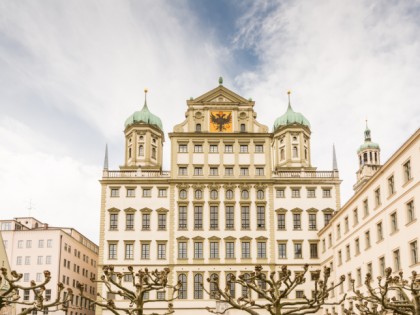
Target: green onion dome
{"type": "Point", "coordinates": [368, 144]}
{"type": "Point", "coordinates": [290, 118]}
{"type": "Point", "coordinates": [144, 116]}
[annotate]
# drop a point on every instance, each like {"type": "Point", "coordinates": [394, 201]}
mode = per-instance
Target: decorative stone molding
{"type": "Point", "coordinates": [296, 210]}
{"type": "Point", "coordinates": [146, 210]}
{"type": "Point", "coordinates": [129, 210]}
{"type": "Point", "coordinates": [114, 210]}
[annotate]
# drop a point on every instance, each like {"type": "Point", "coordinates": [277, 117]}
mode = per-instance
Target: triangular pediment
{"type": "Point", "coordinates": [220, 95]}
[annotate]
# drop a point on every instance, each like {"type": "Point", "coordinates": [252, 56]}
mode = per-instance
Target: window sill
{"type": "Point", "coordinates": [380, 241]}
{"type": "Point", "coordinates": [411, 222]}
{"type": "Point", "coordinates": [407, 182]}
{"type": "Point", "coordinates": [130, 196]}
{"type": "Point", "coordinates": [394, 232]}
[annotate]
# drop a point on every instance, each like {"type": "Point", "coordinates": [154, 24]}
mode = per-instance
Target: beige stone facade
{"type": "Point", "coordinates": [33, 246]}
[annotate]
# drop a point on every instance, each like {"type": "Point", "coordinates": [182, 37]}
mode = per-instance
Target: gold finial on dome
{"type": "Point", "coordinates": [145, 91]}
{"type": "Point", "coordinates": [289, 92]}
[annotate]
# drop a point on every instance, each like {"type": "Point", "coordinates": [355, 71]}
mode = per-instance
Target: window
{"type": "Point", "coordinates": [198, 250]}
{"type": "Point", "coordinates": [282, 250]}
{"type": "Point", "coordinates": [282, 156]}
{"type": "Point", "coordinates": [230, 218]}
{"type": "Point", "coordinates": [129, 221]}
{"type": "Point", "coordinates": [298, 250]}
{"type": "Point", "coordinates": [407, 171]}
{"type": "Point", "coordinates": [214, 171]}
{"type": "Point", "coordinates": [160, 295]}
{"type": "Point", "coordinates": [141, 150]}
{"type": "Point", "coordinates": [313, 248]}
{"type": "Point", "coordinates": [229, 194]}
{"type": "Point", "coordinates": [115, 192]}
{"type": "Point", "coordinates": [243, 128]}
{"type": "Point", "coordinates": [28, 244]}
{"type": "Point", "coordinates": [281, 221]}
{"type": "Point", "coordinates": [228, 148]}
{"type": "Point", "coordinates": [182, 218]}
{"type": "Point", "coordinates": [340, 258]}
{"type": "Point", "coordinates": [355, 216]}
{"type": "Point", "coordinates": [182, 170]}
{"type": "Point", "coordinates": [311, 193]}
{"type": "Point", "coordinates": [145, 251]}
{"type": "Point", "coordinates": [365, 207]}
{"type": "Point", "coordinates": [198, 148]}
{"type": "Point", "coordinates": [369, 268]}
{"type": "Point", "coordinates": [214, 148]}
{"type": "Point", "coordinates": [297, 224]}
{"type": "Point", "coordinates": [380, 232]}
{"type": "Point", "coordinates": [182, 250]}
{"type": "Point", "coordinates": [112, 251]}
{"type": "Point", "coordinates": [214, 194]}
{"type": "Point", "coordinates": [147, 192]}
{"type": "Point", "coordinates": [414, 252]}
{"type": "Point", "coordinates": [394, 222]}
{"type": "Point", "coordinates": [162, 192]}
{"type": "Point", "coordinates": [245, 224]}
{"type": "Point", "coordinates": [182, 292]}
{"type": "Point", "coordinates": [244, 171]}
{"type": "Point", "coordinates": [40, 243]}
{"type": "Point", "coordinates": [26, 277]}
{"type": "Point", "coordinates": [260, 217]}
{"type": "Point", "coordinates": [48, 260]}
{"type": "Point", "coordinates": [244, 194]}
{"type": "Point", "coordinates": [359, 277]}
{"type": "Point", "coordinates": [198, 286]}
{"type": "Point", "coordinates": [410, 211]}
{"type": "Point", "coordinates": [299, 294]}
{"type": "Point", "coordinates": [327, 218]}
{"type": "Point", "coordinates": [260, 194]}
{"type": "Point", "coordinates": [214, 249]}
{"type": "Point", "coordinates": [230, 250]}
{"type": "Point", "coordinates": [382, 266]}
{"type": "Point", "coordinates": [357, 246]}
{"type": "Point", "coordinates": [214, 217]}
{"type": "Point", "coordinates": [367, 239]}
{"type": "Point", "coordinates": [346, 224]}
{"type": "Point", "coordinates": [230, 284]}
{"type": "Point", "coordinates": [295, 152]}
{"type": "Point", "coordinates": [198, 194]}
{"type": "Point", "coordinates": [182, 194]}
{"type": "Point", "coordinates": [198, 171]}
{"type": "Point", "coordinates": [19, 260]}
{"type": "Point", "coordinates": [326, 193]}
{"type": "Point", "coordinates": [27, 260]}
{"type": "Point", "coordinates": [145, 224]}
{"type": "Point", "coordinates": [113, 221]}
{"type": "Point", "coordinates": [129, 251]}
{"type": "Point", "coordinates": [26, 295]}
{"type": "Point", "coordinates": [243, 148]}
{"type": "Point", "coordinates": [261, 250]}
{"type": "Point", "coordinates": [246, 249]}
{"type": "Point", "coordinates": [391, 186]}
{"type": "Point", "coordinates": [182, 148]}
{"type": "Point", "coordinates": [198, 127]}
{"type": "Point", "coordinates": [348, 256]}
{"type": "Point", "coordinates": [39, 260]}
{"type": "Point", "coordinates": [38, 277]}
{"type": "Point", "coordinates": [229, 171]}
{"type": "Point", "coordinates": [338, 231]}
{"type": "Point", "coordinates": [259, 148]}
{"type": "Point", "coordinates": [312, 221]}
{"type": "Point", "coordinates": [397, 261]}
{"type": "Point", "coordinates": [295, 193]}
{"type": "Point", "coordinates": [245, 290]}
{"type": "Point", "coordinates": [280, 193]}
{"type": "Point", "coordinates": [162, 221]}
{"type": "Point", "coordinates": [378, 197]}
{"type": "Point", "coordinates": [198, 217]}
{"type": "Point", "coordinates": [161, 251]}
{"type": "Point", "coordinates": [259, 171]}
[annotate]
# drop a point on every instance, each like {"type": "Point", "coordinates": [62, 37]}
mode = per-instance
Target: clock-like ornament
{"type": "Point", "coordinates": [221, 121]}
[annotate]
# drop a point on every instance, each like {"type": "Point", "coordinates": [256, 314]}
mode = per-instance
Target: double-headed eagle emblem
{"type": "Point", "coordinates": [221, 120]}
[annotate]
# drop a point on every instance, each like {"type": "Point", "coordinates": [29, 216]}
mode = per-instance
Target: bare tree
{"type": "Point", "coordinates": [391, 294]}
{"type": "Point", "coordinates": [273, 292]}
{"type": "Point", "coordinates": [41, 302]}
{"type": "Point", "coordinates": [142, 283]}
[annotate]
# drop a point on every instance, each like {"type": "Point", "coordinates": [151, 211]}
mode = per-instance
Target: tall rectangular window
{"type": "Point", "coordinates": [397, 261]}
{"type": "Point", "coordinates": [230, 218]}
{"type": "Point", "coordinates": [182, 218]}
{"type": "Point", "coordinates": [407, 171]}
{"type": "Point", "coordinates": [129, 251]}
{"type": "Point", "coordinates": [113, 221]}
{"type": "Point", "coordinates": [281, 221]}
{"type": "Point", "coordinates": [355, 216]}
{"type": "Point", "coordinates": [214, 249]}
{"type": "Point", "coordinates": [414, 252]}
{"type": "Point", "coordinates": [230, 250]}
{"type": "Point", "coordinates": [229, 171]}
{"type": "Point", "coordinates": [298, 250]}
{"type": "Point", "coordinates": [245, 224]}
{"type": "Point", "coordinates": [261, 250]}
{"type": "Point", "coordinates": [394, 222]}
{"type": "Point", "coordinates": [39, 260]}
{"type": "Point", "coordinates": [145, 224]}
{"type": "Point", "coordinates": [161, 251]}
{"type": "Point", "coordinates": [365, 207]}
{"type": "Point", "coordinates": [297, 223]}
{"type": "Point", "coordinates": [112, 251]}
{"type": "Point", "coordinates": [198, 250]}
{"type": "Point", "coordinates": [182, 170]}
{"type": "Point", "coordinates": [410, 211]}
{"type": "Point", "coordinates": [246, 249]}
{"type": "Point", "coordinates": [162, 221]}
{"type": "Point", "coordinates": [145, 251]}
{"type": "Point", "coordinates": [260, 217]}
{"type": "Point", "coordinates": [282, 250]}
{"type": "Point", "coordinates": [380, 231]}
{"type": "Point", "coordinates": [327, 218]}
{"type": "Point", "coordinates": [382, 266]}
{"type": "Point", "coordinates": [326, 193]}
{"type": "Point", "coordinates": [357, 246]}
{"type": "Point", "coordinates": [295, 193]}
{"type": "Point", "coordinates": [228, 148]}
{"type": "Point", "coordinates": [367, 239]}
{"type": "Point", "coordinates": [259, 171]}
{"type": "Point", "coordinates": [243, 148]}
{"type": "Point", "coordinates": [198, 217]}
{"type": "Point", "coordinates": [198, 148]}
{"type": "Point", "coordinates": [391, 186]}
{"type": "Point", "coordinates": [280, 193]}
{"type": "Point", "coordinates": [182, 148]}
{"type": "Point", "coordinates": [378, 197]}
{"type": "Point", "coordinates": [213, 148]}
{"type": "Point", "coordinates": [244, 171]}
{"type": "Point", "coordinates": [182, 250]}
{"type": "Point", "coordinates": [129, 221]}
{"type": "Point", "coordinates": [313, 247]}
{"type": "Point", "coordinates": [311, 193]}
{"type": "Point", "coordinates": [198, 171]}
{"type": "Point", "coordinates": [312, 221]}
{"type": "Point", "coordinates": [259, 148]}
{"type": "Point", "coordinates": [41, 244]}
{"type": "Point", "coordinates": [214, 217]}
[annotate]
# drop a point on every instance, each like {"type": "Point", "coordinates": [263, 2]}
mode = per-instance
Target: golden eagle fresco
{"type": "Point", "coordinates": [220, 121]}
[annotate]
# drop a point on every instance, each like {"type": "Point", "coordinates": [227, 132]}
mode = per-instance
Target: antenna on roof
{"type": "Point", "coordinates": [30, 207]}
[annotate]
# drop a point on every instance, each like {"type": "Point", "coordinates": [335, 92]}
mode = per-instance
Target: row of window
{"type": "Point", "coordinates": [28, 243]}
{"type": "Point", "coordinates": [75, 284]}
{"type": "Point", "coordinates": [214, 148]}
{"type": "Point", "coordinates": [76, 268]}
{"type": "Point", "coordinates": [129, 221]}
{"type": "Point", "coordinates": [295, 192]}
{"type": "Point", "coordinates": [229, 194]}
{"type": "Point", "coordinates": [214, 171]}
{"type": "Point", "coordinates": [146, 192]}
{"type": "Point", "coordinates": [77, 253]}
{"type": "Point", "coordinates": [40, 260]}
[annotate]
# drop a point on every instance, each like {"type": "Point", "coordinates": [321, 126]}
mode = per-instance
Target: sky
{"type": "Point", "coordinates": [71, 72]}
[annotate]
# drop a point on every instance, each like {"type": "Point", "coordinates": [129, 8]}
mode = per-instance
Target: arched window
{"type": "Point", "coordinates": [182, 293]}
{"type": "Point", "coordinates": [198, 286]}
{"type": "Point", "coordinates": [376, 157]}
{"type": "Point", "coordinates": [141, 150]}
{"type": "Point", "coordinates": [141, 138]}
{"type": "Point", "coordinates": [229, 194]}
{"type": "Point", "coordinates": [295, 152]}
{"type": "Point", "coordinates": [214, 278]}
{"type": "Point", "coordinates": [198, 127]}
{"type": "Point", "coordinates": [294, 139]}
{"type": "Point", "coordinates": [245, 290]}
{"type": "Point", "coordinates": [370, 157]}
{"type": "Point", "coordinates": [244, 194]}
{"type": "Point", "coordinates": [230, 284]}
{"type": "Point", "coordinates": [281, 154]}
{"type": "Point", "coordinates": [182, 194]}
{"type": "Point", "coordinates": [153, 153]}
{"type": "Point", "coordinates": [260, 194]}
{"type": "Point", "coordinates": [214, 194]}
{"type": "Point", "coordinates": [365, 158]}
{"type": "Point", "coordinates": [198, 194]}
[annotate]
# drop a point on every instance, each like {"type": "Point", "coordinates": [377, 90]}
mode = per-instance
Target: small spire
{"type": "Point", "coordinates": [145, 99]}
{"type": "Point", "coordinates": [288, 95]}
{"type": "Point", "coordinates": [220, 80]}
{"type": "Point", "coordinates": [106, 157]}
{"type": "Point", "coordinates": [335, 166]}
{"type": "Point", "coordinates": [367, 132]}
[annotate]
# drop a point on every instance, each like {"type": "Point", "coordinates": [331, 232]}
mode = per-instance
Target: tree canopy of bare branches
{"type": "Point", "coordinates": [391, 294]}
{"type": "Point", "coordinates": [273, 292]}
{"type": "Point", "coordinates": [142, 283]}
{"type": "Point", "coordinates": [12, 294]}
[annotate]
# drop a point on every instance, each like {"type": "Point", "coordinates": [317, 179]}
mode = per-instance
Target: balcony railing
{"type": "Point", "coordinates": [305, 174]}
{"type": "Point", "coordinates": [135, 173]}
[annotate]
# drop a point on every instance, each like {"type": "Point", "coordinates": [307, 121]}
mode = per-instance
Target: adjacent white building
{"type": "Point", "coordinates": [33, 246]}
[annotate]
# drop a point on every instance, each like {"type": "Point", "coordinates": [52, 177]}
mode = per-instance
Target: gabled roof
{"type": "Point", "coordinates": [220, 91]}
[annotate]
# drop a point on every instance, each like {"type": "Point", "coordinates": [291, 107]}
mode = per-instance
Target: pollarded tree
{"type": "Point", "coordinates": [391, 294]}
{"type": "Point", "coordinates": [137, 293]}
{"type": "Point", "coordinates": [273, 292]}
{"type": "Point", "coordinates": [41, 302]}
